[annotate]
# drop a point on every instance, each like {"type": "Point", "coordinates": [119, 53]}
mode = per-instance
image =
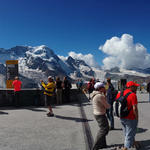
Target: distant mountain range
{"type": "Point", "coordinates": [39, 62]}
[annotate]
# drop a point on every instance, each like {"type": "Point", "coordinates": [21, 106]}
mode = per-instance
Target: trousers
{"type": "Point", "coordinates": [100, 141]}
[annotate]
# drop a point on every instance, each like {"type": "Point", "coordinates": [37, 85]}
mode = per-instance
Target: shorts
{"type": "Point", "coordinates": [48, 100]}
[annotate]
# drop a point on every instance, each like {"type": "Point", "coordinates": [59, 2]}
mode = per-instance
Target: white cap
{"type": "Point", "coordinates": [50, 77]}
{"type": "Point", "coordinates": [98, 85]}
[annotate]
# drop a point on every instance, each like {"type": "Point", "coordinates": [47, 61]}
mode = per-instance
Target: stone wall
{"type": "Point", "coordinates": [29, 97]}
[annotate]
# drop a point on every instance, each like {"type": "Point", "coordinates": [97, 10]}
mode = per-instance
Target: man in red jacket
{"type": "Point", "coordinates": [129, 123]}
{"type": "Point", "coordinates": [17, 88]}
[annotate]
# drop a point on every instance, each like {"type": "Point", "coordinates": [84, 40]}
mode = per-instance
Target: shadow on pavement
{"type": "Point", "coordinates": [84, 100]}
{"type": "Point", "coordinates": [9, 108]}
{"type": "Point", "coordinates": [72, 118]}
{"type": "Point", "coordinates": [145, 145]}
{"type": "Point", "coordinates": [35, 109]}
{"type": "Point", "coordinates": [3, 113]}
{"type": "Point", "coordinates": [143, 102]}
{"type": "Point", "coordinates": [114, 146]}
{"type": "Point", "coordinates": [140, 130]}
{"type": "Point", "coordinates": [116, 129]}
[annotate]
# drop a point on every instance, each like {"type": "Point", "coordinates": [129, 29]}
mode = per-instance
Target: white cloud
{"type": "Point", "coordinates": [123, 53]}
{"type": "Point", "coordinates": [62, 57]}
{"type": "Point", "coordinates": [88, 58]}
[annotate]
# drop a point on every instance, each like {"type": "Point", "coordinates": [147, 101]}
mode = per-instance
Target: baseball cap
{"type": "Point", "coordinates": [131, 83]}
{"type": "Point", "coordinates": [98, 85]}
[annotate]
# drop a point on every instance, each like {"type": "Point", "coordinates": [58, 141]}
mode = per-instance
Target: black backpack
{"type": "Point", "coordinates": [120, 105]}
{"type": "Point", "coordinates": [114, 94]}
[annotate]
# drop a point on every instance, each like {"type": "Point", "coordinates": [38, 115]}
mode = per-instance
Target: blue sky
{"type": "Point", "coordinates": [73, 25]}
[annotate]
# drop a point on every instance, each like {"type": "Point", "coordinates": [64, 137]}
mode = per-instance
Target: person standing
{"type": "Point", "coordinates": [110, 100]}
{"type": "Point", "coordinates": [90, 87]}
{"type": "Point", "coordinates": [99, 110]}
{"type": "Point", "coordinates": [77, 84]}
{"type": "Point", "coordinates": [148, 90]}
{"type": "Point", "coordinates": [17, 88]}
{"type": "Point", "coordinates": [49, 89]}
{"type": "Point", "coordinates": [58, 91]}
{"type": "Point", "coordinates": [66, 89]}
{"type": "Point", "coordinates": [129, 123]}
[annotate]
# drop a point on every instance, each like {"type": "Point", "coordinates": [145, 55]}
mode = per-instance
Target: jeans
{"type": "Point", "coordinates": [129, 129]}
{"type": "Point", "coordinates": [149, 96]}
{"type": "Point", "coordinates": [110, 116]}
{"type": "Point", "coordinates": [100, 141]}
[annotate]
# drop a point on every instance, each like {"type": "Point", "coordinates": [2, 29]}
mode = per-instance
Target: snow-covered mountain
{"type": "Point", "coordinates": [118, 73]}
{"type": "Point", "coordinates": [39, 62]}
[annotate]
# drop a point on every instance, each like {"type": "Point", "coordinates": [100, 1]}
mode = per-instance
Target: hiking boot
{"type": "Point", "coordinates": [50, 114]}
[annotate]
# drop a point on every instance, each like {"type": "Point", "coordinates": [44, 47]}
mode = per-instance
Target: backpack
{"type": "Point", "coordinates": [120, 105]}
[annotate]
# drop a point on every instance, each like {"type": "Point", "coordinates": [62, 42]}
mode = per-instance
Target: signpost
{"type": "Point", "coordinates": [11, 72]}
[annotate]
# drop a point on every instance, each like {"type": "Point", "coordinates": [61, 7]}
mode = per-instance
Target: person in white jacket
{"type": "Point", "coordinates": [99, 110]}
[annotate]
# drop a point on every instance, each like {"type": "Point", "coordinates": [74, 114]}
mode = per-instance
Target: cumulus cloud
{"type": "Point", "coordinates": [124, 53]}
{"type": "Point", "coordinates": [88, 58]}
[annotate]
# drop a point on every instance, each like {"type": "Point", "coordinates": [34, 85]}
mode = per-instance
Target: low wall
{"type": "Point", "coordinates": [29, 97]}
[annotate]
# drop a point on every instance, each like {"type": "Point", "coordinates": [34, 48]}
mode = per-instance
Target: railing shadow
{"type": "Point", "coordinates": [35, 109]}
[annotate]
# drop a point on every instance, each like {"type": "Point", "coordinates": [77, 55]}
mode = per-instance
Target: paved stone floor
{"type": "Point", "coordinates": [29, 128]}
{"type": "Point", "coordinates": [115, 137]}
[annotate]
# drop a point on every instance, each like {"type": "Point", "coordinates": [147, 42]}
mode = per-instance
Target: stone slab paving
{"type": "Point", "coordinates": [115, 137]}
{"type": "Point", "coordinates": [30, 129]}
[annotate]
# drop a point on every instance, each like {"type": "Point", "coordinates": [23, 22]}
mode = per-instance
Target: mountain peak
{"type": "Point", "coordinates": [70, 59]}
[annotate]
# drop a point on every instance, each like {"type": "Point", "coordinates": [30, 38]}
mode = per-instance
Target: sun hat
{"type": "Point", "coordinates": [98, 85]}
{"type": "Point", "coordinates": [131, 83]}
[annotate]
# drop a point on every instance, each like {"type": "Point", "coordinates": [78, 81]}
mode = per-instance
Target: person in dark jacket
{"type": "Point", "coordinates": [148, 90]}
{"type": "Point", "coordinates": [58, 91]}
{"type": "Point", "coordinates": [110, 100]}
{"type": "Point", "coordinates": [66, 89]}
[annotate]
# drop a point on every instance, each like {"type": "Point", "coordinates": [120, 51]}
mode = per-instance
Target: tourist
{"type": "Point", "coordinates": [49, 89]}
{"type": "Point", "coordinates": [17, 89]}
{"type": "Point", "coordinates": [99, 110]}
